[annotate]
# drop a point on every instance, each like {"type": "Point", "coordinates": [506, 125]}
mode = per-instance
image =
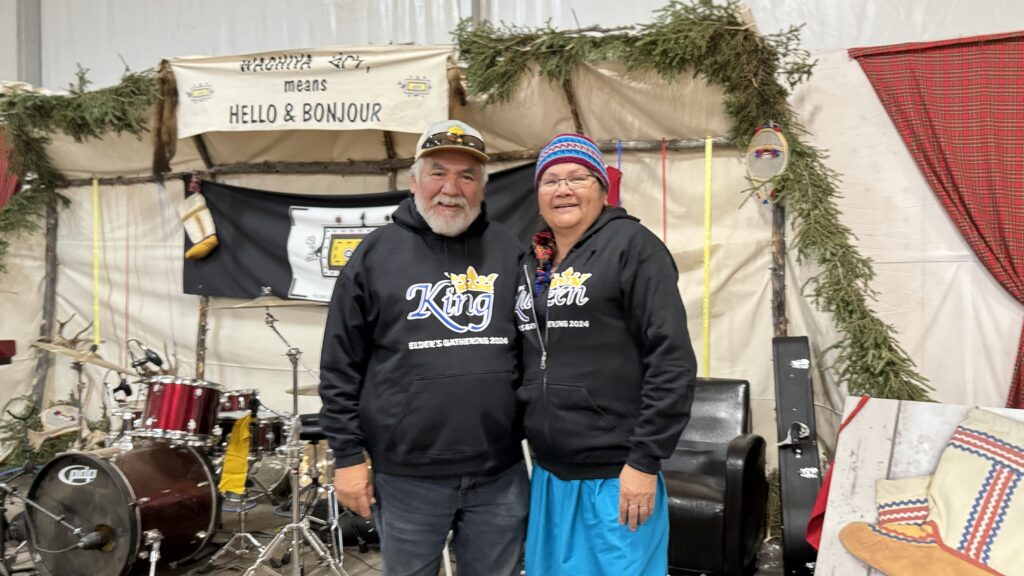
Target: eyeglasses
{"type": "Point", "coordinates": [575, 182]}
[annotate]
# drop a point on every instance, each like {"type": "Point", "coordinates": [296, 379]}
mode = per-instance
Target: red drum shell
{"type": "Point", "coordinates": [180, 409]}
{"type": "Point", "coordinates": [267, 432]}
{"type": "Point", "coordinates": [129, 417]}
{"type": "Point", "coordinates": [237, 400]}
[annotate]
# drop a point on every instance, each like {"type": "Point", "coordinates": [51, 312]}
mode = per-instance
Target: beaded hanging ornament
{"type": "Point", "coordinates": [767, 157]}
{"type": "Point", "coordinates": [544, 251]}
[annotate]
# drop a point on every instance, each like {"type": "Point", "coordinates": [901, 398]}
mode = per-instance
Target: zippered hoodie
{"type": "Point", "coordinates": [419, 354]}
{"type": "Point", "coordinates": [608, 377]}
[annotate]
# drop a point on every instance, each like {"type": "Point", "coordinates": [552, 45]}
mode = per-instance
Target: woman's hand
{"type": "Point", "coordinates": [636, 496]}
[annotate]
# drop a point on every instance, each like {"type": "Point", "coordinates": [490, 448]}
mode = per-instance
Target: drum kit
{"type": "Point", "coordinates": [150, 497]}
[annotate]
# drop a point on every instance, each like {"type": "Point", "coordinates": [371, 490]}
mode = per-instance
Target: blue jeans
{"type": "Point", "coordinates": [487, 515]}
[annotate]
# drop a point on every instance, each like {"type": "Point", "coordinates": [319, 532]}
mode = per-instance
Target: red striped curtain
{"type": "Point", "coordinates": [959, 107]}
{"type": "Point", "coordinates": [8, 183]}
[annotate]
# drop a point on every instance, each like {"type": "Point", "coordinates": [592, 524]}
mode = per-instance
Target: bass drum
{"type": "Point", "coordinates": [123, 494]}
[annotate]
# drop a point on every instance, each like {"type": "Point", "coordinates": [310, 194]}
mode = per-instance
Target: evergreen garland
{"type": "Point", "coordinates": [29, 118]}
{"type": "Point", "coordinates": [699, 38]}
{"type": "Point", "coordinates": [756, 73]}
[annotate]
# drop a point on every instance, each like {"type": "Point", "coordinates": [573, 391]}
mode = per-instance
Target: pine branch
{"type": "Point", "coordinates": [756, 73]}
{"type": "Point", "coordinates": [30, 120]}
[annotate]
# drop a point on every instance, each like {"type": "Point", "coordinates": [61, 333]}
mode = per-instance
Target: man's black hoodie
{"type": "Point", "coordinates": [608, 368]}
{"type": "Point", "coordinates": [419, 362]}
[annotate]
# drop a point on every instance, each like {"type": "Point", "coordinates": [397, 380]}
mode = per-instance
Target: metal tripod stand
{"type": "Point", "coordinates": [298, 529]}
{"type": "Point", "coordinates": [247, 542]}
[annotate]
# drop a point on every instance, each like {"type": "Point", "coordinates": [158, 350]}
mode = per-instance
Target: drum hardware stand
{"type": "Point", "coordinates": [332, 513]}
{"type": "Point", "coordinates": [5, 563]}
{"type": "Point", "coordinates": [153, 538]}
{"type": "Point", "coordinates": [312, 493]}
{"type": "Point", "coordinates": [299, 526]}
{"type": "Point", "coordinates": [246, 538]}
{"type": "Point", "coordinates": [27, 468]}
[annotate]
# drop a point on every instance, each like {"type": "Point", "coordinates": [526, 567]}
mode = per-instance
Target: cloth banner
{"type": "Point", "coordinates": [297, 245]}
{"type": "Point", "coordinates": [331, 88]}
{"type": "Point", "coordinates": [957, 104]}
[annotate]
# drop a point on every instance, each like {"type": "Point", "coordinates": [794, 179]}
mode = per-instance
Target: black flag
{"type": "Point", "coordinates": [295, 244]}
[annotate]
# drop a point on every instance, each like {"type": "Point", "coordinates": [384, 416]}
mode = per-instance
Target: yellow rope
{"type": "Point", "coordinates": [96, 260]}
{"type": "Point", "coordinates": [707, 258]}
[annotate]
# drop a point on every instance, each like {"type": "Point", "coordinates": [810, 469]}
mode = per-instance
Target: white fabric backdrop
{"type": "Point", "coordinates": [954, 321]}
{"type": "Point", "coordinates": [245, 354]}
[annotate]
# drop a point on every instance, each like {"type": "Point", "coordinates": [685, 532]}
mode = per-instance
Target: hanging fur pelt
{"type": "Point", "coordinates": [164, 121]}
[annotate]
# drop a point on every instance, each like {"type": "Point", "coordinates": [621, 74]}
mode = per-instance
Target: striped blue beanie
{"type": "Point", "coordinates": [574, 148]}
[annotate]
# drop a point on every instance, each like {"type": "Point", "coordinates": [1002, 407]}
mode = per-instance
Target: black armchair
{"type": "Point", "coordinates": [716, 484]}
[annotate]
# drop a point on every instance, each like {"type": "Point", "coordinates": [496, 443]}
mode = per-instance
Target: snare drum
{"type": "Point", "coordinates": [180, 410]}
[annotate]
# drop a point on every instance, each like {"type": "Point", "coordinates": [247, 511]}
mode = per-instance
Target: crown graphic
{"type": "Point", "coordinates": [569, 278]}
{"type": "Point", "coordinates": [473, 282]}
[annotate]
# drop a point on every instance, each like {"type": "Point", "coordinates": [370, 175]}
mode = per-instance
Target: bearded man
{"type": "Point", "coordinates": [419, 372]}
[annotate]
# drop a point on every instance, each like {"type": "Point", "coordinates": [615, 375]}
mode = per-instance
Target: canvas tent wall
{"type": "Point", "coordinates": [951, 317]}
{"type": "Point", "coordinates": [141, 242]}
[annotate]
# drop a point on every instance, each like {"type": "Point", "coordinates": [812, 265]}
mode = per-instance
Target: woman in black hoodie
{"type": "Point", "coordinates": [608, 374]}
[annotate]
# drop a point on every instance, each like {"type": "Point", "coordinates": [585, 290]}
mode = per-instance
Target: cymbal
{"type": "Point", "coordinates": [308, 390]}
{"type": "Point", "coordinates": [272, 302]}
{"type": "Point", "coordinates": [83, 356]}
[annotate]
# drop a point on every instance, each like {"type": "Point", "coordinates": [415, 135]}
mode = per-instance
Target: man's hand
{"type": "Point", "coordinates": [636, 496]}
{"type": "Point", "coordinates": [355, 488]}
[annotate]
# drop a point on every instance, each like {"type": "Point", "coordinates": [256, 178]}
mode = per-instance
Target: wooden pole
{"type": "Point", "coordinates": [204, 305]}
{"type": "Point", "coordinates": [383, 167]}
{"type": "Point", "coordinates": [49, 300]}
{"type": "Point", "coordinates": [779, 320]}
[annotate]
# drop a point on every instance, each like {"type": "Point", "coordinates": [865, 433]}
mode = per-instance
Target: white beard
{"type": "Point", "coordinates": [450, 225]}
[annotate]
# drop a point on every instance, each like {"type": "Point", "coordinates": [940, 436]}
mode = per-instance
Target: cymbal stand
{"type": "Point", "coordinates": [299, 526]}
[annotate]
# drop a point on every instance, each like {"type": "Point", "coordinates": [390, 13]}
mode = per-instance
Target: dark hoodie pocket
{"type": "Point", "coordinates": [568, 426]}
{"type": "Point", "coordinates": [451, 418]}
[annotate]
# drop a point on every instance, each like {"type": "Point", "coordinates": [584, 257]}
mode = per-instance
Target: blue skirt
{"type": "Point", "coordinates": [574, 530]}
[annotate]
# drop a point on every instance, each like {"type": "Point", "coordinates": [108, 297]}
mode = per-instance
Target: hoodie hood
{"type": "Point", "coordinates": [609, 214]}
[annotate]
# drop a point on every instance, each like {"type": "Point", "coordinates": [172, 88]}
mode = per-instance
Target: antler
{"type": "Point", "coordinates": [75, 340]}
{"type": "Point", "coordinates": [61, 325]}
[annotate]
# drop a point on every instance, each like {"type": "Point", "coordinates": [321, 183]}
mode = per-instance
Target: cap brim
{"type": "Point", "coordinates": [471, 151]}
